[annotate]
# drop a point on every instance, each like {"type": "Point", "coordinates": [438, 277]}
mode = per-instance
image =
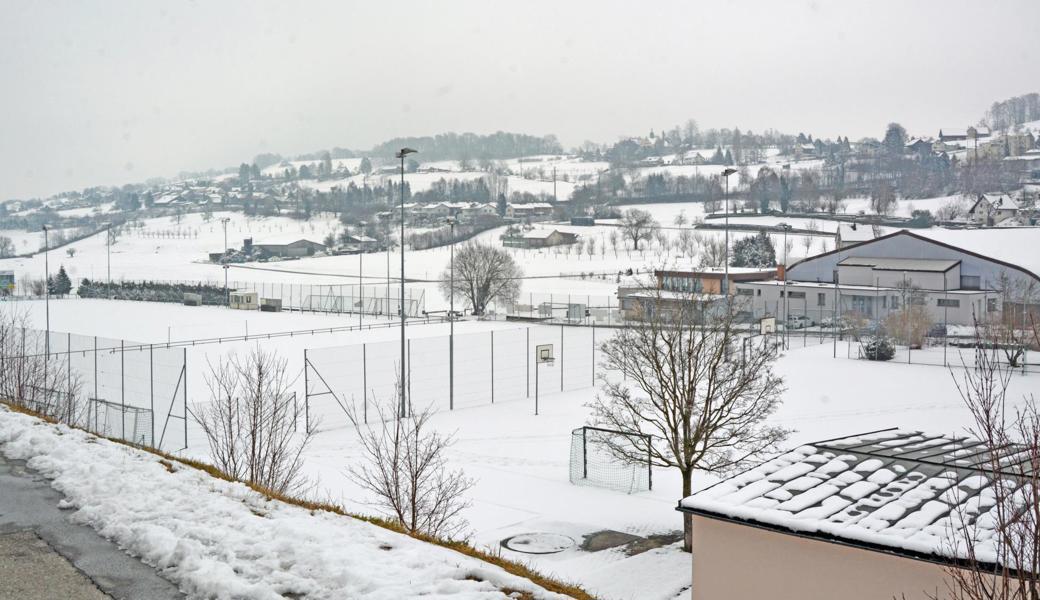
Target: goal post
{"type": "Point", "coordinates": [610, 458]}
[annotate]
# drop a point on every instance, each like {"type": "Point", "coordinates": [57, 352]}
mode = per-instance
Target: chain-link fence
{"type": "Point", "coordinates": [474, 369]}
{"type": "Point", "coordinates": [572, 309]}
{"type": "Point", "coordinates": [116, 388]}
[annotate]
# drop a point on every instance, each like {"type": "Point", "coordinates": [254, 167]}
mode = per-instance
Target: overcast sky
{"type": "Point", "coordinates": [102, 93]}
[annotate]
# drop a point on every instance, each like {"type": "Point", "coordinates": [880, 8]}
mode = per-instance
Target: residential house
{"type": "Point", "coordinates": [861, 517]}
{"type": "Point", "coordinates": [854, 233]}
{"type": "Point", "coordinates": [992, 209]}
{"type": "Point", "coordinates": [528, 210]}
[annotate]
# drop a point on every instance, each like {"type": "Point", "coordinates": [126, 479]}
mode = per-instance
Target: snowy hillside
{"type": "Point", "coordinates": [217, 539]}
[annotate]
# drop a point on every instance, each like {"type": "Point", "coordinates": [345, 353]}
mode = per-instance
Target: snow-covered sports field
{"type": "Point", "coordinates": [521, 461]}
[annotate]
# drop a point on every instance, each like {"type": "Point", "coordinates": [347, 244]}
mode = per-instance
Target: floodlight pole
{"type": "Point", "coordinates": [403, 152]}
{"type": "Point", "coordinates": [785, 227]}
{"type": "Point", "coordinates": [47, 288]}
{"type": "Point", "coordinates": [451, 320]}
{"type": "Point", "coordinates": [361, 274]}
{"type": "Point", "coordinates": [725, 277]}
{"type": "Point", "coordinates": [227, 299]}
{"type": "Point", "coordinates": [537, 365]}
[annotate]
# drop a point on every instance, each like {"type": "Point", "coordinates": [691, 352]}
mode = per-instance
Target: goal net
{"type": "Point", "coordinates": [607, 458]}
{"type": "Point", "coordinates": [130, 423]}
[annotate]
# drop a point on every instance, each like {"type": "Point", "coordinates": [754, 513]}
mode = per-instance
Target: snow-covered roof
{"type": "Point", "coordinates": [855, 233]}
{"type": "Point", "coordinates": [530, 205]}
{"type": "Point", "coordinates": [895, 489]}
{"type": "Point", "coordinates": [541, 234]}
{"type": "Point", "coordinates": [937, 265]}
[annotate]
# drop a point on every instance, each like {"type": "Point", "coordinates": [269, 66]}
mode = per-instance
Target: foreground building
{"type": "Point", "coordinates": [873, 278]}
{"type": "Point", "coordinates": [864, 517]}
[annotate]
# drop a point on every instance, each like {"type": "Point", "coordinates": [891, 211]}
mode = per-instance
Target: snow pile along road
{"type": "Point", "coordinates": [217, 539]}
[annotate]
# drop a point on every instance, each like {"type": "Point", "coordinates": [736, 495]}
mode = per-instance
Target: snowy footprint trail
{"type": "Point", "coordinates": [218, 539]}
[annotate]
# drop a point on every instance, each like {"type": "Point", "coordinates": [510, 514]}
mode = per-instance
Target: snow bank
{"type": "Point", "coordinates": [217, 539]}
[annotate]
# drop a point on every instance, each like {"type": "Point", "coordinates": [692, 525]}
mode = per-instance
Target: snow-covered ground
{"type": "Point", "coordinates": [216, 539]}
{"type": "Point", "coordinates": [521, 460]}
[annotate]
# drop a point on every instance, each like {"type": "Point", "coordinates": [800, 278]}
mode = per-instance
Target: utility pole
{"type": "Point", "coordinates": [361, 273]}
{"type": "Point", "coordinates": [403, 152]}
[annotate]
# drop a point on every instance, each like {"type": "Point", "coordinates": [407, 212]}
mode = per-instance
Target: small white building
{"type": "Point", "coordinates": [854, 233]}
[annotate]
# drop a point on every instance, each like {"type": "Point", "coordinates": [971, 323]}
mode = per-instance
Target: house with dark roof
{"type": "Point", "coordinates": [874, 278]}
{"type": "Point", "coordinates": [883, 514]}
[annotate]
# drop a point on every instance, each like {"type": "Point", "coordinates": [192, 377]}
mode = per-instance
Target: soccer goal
{"type": "Point", "coordinates": [617, 460]}
{"type": "Point", "coordinates": [130, 423]}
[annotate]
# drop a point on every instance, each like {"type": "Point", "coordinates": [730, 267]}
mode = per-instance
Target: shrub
{"type": "Point", "coordinates": [879, 349]}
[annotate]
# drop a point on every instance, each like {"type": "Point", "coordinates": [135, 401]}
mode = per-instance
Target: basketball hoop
{"type": "Point", "coordinates": [544, 354]}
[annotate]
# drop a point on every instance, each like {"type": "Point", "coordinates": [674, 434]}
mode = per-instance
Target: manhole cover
{"type": "Point", "coordinates": [538, 543]}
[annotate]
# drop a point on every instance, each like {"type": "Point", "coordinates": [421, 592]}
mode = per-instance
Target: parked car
{"type": "Point", "coordinates": [799, 322]}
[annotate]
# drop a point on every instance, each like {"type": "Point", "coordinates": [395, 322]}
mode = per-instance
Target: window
{"type": "Point", "coordinates": [991, 305]}
{"type": "Point", "coordinates": [744, 292]}
{"type": "Point", "coordinates": [799, 295]}
{"type": "Point", "coordinates": [948, 302]}
{"type": "Point", "coordinates": [821, 299]}
{"type": "Point", "coordinates": [895, 302]}
{"type": "Point", "coordinates": [758, 292]}
{"type": "Point", "coordinates": [971, 282]}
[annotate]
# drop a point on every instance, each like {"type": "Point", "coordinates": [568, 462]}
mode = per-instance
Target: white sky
{"type": "Point", "coordinates": [109, 92]}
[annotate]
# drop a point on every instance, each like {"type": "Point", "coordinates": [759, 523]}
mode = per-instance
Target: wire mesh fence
{"type": "Point", "coordinates": [572, 309]}
{"type": "Point", "coordinates": [612, 459]}
{"type": "Point", "coordinates": [369, 299]}
{"type": "Point", "coordinates": [445, 373]}
{"type": "Point", "coordinates": [117, 388]}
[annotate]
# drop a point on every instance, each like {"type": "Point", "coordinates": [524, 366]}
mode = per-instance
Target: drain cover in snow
{"type": "Point", "coordinates": [538, 543]}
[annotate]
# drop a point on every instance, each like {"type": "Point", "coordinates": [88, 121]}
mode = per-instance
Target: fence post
{"type": "Point", "coordinates": [68, 373]}
{"type": "Point", "coordinates": [306, 393]}
{"type": "Point", "coordinates": [151, 394]}
{"type": "Point", "coordinates": [561, 358]}
{"type": "Point", "coordinates": [528, 354]}
{"type": "Point", "coordinates": [364, 382]}
{"type": "Point", "coordinates": [95, 384]}
{"type": "Point", "coordinates": [492, 367]}
{"type": "Point", "coordinates": [409, 383]}
{"type": "Point", "coordinates": [184, 405]}
{"type": "Point", "coordinates": [584, 453]}
{"type": "Point", "coordinates": [122, 388]}
{"type": "Point", "coordinates": [593, 354]}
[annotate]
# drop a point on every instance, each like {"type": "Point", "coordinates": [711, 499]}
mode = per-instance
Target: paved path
{"type": "Point", "coordinates": [43, 556]}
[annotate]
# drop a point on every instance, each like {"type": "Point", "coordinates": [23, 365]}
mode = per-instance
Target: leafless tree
{"type": "Point", "coordinates": [404, 465]}
{"type": "Point", "coordinates": [684, 376]}
{"type": "Point", "coordinates": [6, 247]}
{"type": "Point", "coordinates": [638, 225]}
{"type": "Point", "coordinates": [483, 273]}
{"type": "Point", "coordinates": [32, 378]}
{"type": "Point", "coordinates": [614, 241]}
{"type": "Point", "coordinates": [1007, 517]}
{"type": "Point", "coordinates": [590, 247]}
{"type": "Point", "coordinates": [713, 253]}
{"type": "Point", "coordinates": [251, 420]}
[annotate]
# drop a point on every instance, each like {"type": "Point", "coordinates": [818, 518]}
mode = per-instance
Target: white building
{"type": "Point", "coordinates": [873, 278]}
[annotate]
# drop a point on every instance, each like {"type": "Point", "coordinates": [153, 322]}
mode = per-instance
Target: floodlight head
{"type": "Point", "coordinates": [403, 152]}
{"type": "Point", "coordinates": [728, 171]}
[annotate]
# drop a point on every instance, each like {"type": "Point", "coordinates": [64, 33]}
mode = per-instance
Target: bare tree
{"type": "Point", "coordinates": [590, 247]}
{"type": "Point", "coordinates": [483, 273]}
{"type": "Point", "coordinates": [250, 422]}
{"type": "Point", "coordinates": [713, 253]}
{"type": "Point", "coordinates": [638, 225]}
{"type": "Point", "coordinates": [32, 378]}
{"type": "Point", "coordinates": [685, 377]}
{"type": "Point", "coordinates": [6, 247]}
{"type": "Point", "coordinates": [1000, 534]}
{"type": "Point", "coordinates": [405, 467]}
{"type": "Point", "coordinates": [614, 241]}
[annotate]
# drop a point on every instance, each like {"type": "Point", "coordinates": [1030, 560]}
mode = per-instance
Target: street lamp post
{"type": "Point", "coordinates": [47, 288]}
{"type": "Point", "coordinates": [227, 300]}
{"type": "Point", "coordinates": [725, 277]}
{"type": "Point", "coordinates": [108, 248]}
{"type": "Point", "coordinates": [451, 320]}
{"type": "Point", "coordinates": [403, 152]}
{"type": "Point", "coordinates": [785, 227]}
{"type": "Point", "coordinates": [361, 273]}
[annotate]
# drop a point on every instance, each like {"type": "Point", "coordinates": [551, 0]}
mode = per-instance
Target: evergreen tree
{"type": "Point", "coordinates": [60, 284]}
{"type": "Point", "coordinates": [366, 166]}
{"type": "Point", "coordinates": [754, 251]}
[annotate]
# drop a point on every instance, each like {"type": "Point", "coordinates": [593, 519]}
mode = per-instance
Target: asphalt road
{"type": "Point", "coordinates": [43, 556]}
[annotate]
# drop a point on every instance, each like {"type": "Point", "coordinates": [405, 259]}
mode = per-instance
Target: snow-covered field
{"type": "Point", "coordinates": [521, 460]}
